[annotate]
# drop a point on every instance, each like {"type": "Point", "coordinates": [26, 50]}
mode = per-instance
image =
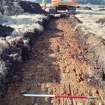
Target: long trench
{"type": "Point", "coordinates": [53, 69]}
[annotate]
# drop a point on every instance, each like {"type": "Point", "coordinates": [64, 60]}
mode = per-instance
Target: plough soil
{"type": "Point", "coordinates": [56, 67]}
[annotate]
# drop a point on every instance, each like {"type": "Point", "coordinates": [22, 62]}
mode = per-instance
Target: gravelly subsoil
{"type": "Point", "coordinates": [57, 66]}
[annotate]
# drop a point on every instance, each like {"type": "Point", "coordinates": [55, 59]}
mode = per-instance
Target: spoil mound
{"type": "Point", "coordinates": [31, 7]}
{"type": "Point", "coordinates": [21, 22]}
{"type": "Point", "coordinates": [16, 42]}
{"type": "Point", "coordinates": [16, 7]}
{"type": "Point", "coordinates": [17, 35]}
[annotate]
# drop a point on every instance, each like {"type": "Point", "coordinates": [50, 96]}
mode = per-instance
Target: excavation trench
{"type": "Point", "coordinates": [56, 67]}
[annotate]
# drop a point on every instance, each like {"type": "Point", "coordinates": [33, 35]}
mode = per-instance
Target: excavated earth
{"type": "Point", "coordinates": [58, 66]}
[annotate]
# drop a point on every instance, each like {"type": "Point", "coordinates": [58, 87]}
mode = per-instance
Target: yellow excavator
{"type": "Point", "coordinates": [61, 6]}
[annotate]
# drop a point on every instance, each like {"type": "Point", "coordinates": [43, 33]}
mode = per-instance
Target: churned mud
{"type": "Point", "coordinates": [57, 66]}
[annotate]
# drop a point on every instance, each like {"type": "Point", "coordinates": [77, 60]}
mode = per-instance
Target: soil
{"type": "Point", "coordinates": [57, 66]}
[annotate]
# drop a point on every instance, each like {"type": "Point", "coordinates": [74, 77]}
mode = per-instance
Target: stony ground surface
{"type": "Point", "coordinates": [57, 66]}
